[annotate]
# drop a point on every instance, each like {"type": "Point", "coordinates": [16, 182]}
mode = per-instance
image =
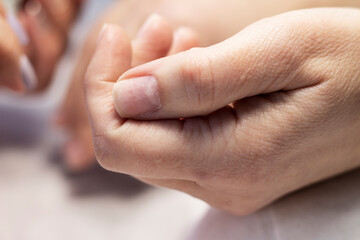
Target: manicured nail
{"type": "Point", "coordinates": [137, 96]}
{"type": "Point", "coordinates": [18, 29]}
{"type": "Point", "coordinates": [28, 73]}
{"type": "Point", "coordinates": [33, 8]}
{"type": "Point", "coordinates": [150, 22]}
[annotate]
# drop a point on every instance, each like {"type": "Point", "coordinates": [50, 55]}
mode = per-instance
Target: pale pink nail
{"type": "Point", "coordinates": [137, 96]}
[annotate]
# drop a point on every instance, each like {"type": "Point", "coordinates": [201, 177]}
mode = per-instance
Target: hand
{"type": "Point", "coordinates": [155, 39]}
{"type": "Point", "coordinates": [78, 151]}
{"type": "Point", "coordinates": [268, 111]}
{"type": "Point", "coordinates": [234, 15]}
{"type": "Point", "coordinates": [10, 53]}
{"type": "Point", "coordinates": [47, 23]}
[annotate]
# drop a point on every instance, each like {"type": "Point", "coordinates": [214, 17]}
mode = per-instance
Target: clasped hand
{"type": "Point", "coordinates": [238, 124]}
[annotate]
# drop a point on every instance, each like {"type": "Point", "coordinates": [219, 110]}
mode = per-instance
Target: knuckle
{"type": "Point", "coordinates": [281, 54]}
{"type": "Point", "coordinates": [198, 80]}
{"type": "Point", "coordinates": [299, 39]}
{"type": "Point", "coordinates": [288, 47]}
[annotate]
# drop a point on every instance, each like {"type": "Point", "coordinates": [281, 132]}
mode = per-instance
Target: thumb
{"type": "Point", "coordinates": [260, 59]}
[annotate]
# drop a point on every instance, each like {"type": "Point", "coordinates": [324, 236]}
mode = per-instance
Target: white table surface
{"type": "Point", "coordinates": [38, 200]}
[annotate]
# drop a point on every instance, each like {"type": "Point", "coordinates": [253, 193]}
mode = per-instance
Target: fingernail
{"type": "Point", "coordinates": [137, 96]}
{"type": "Point", "coordinates": [33, 8]}
{"type": "Point", "coordinates": [102, 31]}
{"type": "Point", "coordinates": [28, 73]}
{"type": "Point", "coordinates": [149, 23]}
{"type": "Point", "coordinates": [18, 29]}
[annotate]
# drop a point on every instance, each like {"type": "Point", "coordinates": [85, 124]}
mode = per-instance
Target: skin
{"type": "Point", "coordinates": [10, 52]}
{"type": "Point", "coordinates": [217, 21]}
{"type": "Point", "coordinates": [50, 25]}
{"type": "Point", "coordinates": [156, 39]}
{"type": "Point", "coordinates": [241, 123]}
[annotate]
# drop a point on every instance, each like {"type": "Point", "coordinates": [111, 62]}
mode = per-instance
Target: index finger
{"type": "Point", "coordinates": [111, 59]}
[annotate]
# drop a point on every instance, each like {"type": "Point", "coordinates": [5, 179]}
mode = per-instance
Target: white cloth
{"type": "Point", "coordinates": [326, 211]}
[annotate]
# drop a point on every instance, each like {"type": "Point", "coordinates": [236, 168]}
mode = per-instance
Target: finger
{"type": "Point", "coordinates": [79, 151]}
{"type": "Point", "coordinates": [166, 149]}
{"type": "Point", "coordinates": [112, 57]}
{"type": "Point", "coordinates": [260, 59]}
{"type": "Point", "coordinates": [59, 12]}
{"type": "Point", "coordinates": [10, 55]}
{"type": "Point", "coordinates": [77, 4]}
{"type": "Point", "coordinates": [184, 39]}
{"type": "Point", "coordinates": [141, 148]}
{"type": "Point", "coordinates": [153, 40]}
{"type": "Point", "coordinates": [13, 81]}
{"type": "Point", "coordinates": [43, 57]}
{"type": "Point", "coordinates": [2, 10]}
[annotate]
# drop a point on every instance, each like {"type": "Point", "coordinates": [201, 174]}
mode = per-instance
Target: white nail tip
{"type": "Point", "coordinates": [28, 73]}
{"type": "Point", "coordinates": [17, 28]}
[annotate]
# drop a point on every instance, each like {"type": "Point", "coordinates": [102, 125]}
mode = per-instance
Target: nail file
{"type": "Point", "coordinates": [27, 70]}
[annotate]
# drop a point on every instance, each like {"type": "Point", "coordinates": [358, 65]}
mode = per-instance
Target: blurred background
{"type": "Point", "coordinates": [42, 197]}
{"type": "Point", "coordinates": [51, 186]}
